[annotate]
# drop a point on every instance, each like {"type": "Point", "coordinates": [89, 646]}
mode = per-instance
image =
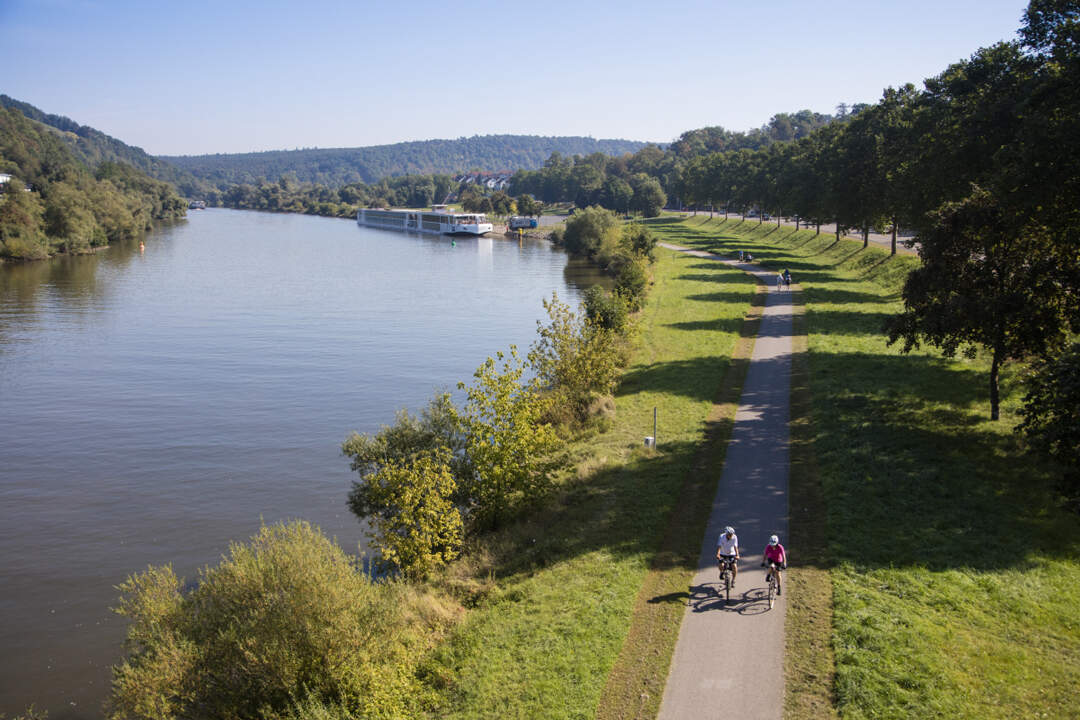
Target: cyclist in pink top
{"type": "Point", "coordinates": [776, 559]}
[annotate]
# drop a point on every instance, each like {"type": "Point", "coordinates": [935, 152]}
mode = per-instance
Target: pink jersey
{"type": "Point", "coordinates": [776, 553]}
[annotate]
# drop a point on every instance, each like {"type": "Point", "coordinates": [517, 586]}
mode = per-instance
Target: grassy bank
{"type": "Point", "coordinates": [552, 597]}
{"type": "Point", "coordinates": [952, 572]}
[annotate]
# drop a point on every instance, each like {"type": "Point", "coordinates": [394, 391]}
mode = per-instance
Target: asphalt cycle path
{"type": "Point", "coordinates": [728, 660]}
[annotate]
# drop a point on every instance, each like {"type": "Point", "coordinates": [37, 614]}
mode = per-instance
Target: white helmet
{"type": "Point", "coordinates": [774, 540]}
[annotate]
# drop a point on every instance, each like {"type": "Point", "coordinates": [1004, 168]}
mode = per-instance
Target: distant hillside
{"type": "Point", "coordinates": [94, 147]}
{"type": "Point", "coordinates": [341, 166]}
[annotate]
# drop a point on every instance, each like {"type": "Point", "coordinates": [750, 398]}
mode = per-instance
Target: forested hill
{"type": "Point", "coordinates": [93, 147]}
{"type": "Point", "coordinates": [51, 200]}
{"type": "Point", "coordinates": [335, 167]}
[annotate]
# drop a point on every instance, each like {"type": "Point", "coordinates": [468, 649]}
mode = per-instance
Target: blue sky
{"type": "Point", "coordinates": [204, 77]}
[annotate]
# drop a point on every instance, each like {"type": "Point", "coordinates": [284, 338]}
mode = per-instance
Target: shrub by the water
{"type": "Point", "coordinates": [285, 620]}
{"type": "Point", "coordinates": [507, 440]}
{"type": "Point", "coordinates": [576, 359]}
{"type": "Point", "coordinates": [414, 522]}
{"type": "Point", "coordinates": [607, 310]}
{"type": "Point", "coordinates": [586, 229]}
{"type": "Point", "coordinates": [437, 427]}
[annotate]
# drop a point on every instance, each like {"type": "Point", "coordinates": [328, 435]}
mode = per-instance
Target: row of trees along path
{"type": "Point", "coordinates": [728, 660]}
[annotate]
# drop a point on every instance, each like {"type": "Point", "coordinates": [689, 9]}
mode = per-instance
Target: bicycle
{"type": "Point", "coordinates": [773, 584]}
{"type": "Point", "coordinates": [727, 575]}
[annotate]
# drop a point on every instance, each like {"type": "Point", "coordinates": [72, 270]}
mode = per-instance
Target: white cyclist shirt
{"type": "Point", "coordinates": [726, 546]}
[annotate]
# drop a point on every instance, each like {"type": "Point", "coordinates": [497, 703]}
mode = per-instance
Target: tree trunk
{"type": "Point", "coordinates": [818, 230]}
{"type": "Point", "coordinates": [994, 398]}
{"type": "Point", "coordinates": [865, 235]}
{"type": "Point", "coordinates": [837, 231]}
{"type": "Point", "coordinates": [893, 237]}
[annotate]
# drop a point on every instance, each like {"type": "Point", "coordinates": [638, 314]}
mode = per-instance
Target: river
{"type": "Point", "coordinates": [157, 403]}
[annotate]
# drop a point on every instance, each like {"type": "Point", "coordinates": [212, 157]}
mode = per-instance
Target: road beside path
{"type": "Point", "coordinates": [728, 660]}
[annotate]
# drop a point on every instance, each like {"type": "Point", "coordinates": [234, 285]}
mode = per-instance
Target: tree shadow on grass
{"type": "Point", "coordinates": [623, 511]}
{"type": "Point", "coordinates": [688, 378]}
{"type": "Point", "coordinates": [713, 277]}
{"type": "Point", "coordinates": [827, 296]}
{"type": "Point", "coordinates": [711, 266]}
{"type": "Point", "coordinates": [728, 325]}
{"type": "Point", "coordinates": [914, 477]}
{"type": "Point", "coordinates": [840, 322]}
{"type": "Point", "coordinates": [721, 297]}
{"type": "Point", "coordinates": [662, 221]}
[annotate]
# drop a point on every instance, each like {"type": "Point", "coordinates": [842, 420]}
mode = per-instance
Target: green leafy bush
{"type": "Point", "coordinates": [507, 440]}
{"type": "Point", "coordinates": [607, 310]}
{"type": "Point", "coordinates": [585, 230]}
{"type": "Point", "coordinates": [632, 281]}
{"type": "Point", "coordinates": [415, 525]}
{"type": "Point", "coordinates": [576, 360]}
{"type": "Point", "coordinates": [436, 427]}
{"type": "Point", "coordinates": [1052, 411]}
{"type": "Point", "coordinates": [285, 618]}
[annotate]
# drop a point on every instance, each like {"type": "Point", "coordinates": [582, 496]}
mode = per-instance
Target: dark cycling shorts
{"type": "Point", "coordinates": [779, 565]}
{"type": "Point", "coordinates": [727, 557]}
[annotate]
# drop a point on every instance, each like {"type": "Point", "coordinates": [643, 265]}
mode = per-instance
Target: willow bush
{"type": "Point", "coordinates": [287, 620]}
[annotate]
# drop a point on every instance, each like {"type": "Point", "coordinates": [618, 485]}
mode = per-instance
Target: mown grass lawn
{"type": "Point", "coordinates": [954, 573]}
{"type": "Point", "coordinates": [546, 629]}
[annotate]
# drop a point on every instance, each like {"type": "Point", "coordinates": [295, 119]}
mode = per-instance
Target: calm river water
{"type": "Point", "coordinates": [157, 404]}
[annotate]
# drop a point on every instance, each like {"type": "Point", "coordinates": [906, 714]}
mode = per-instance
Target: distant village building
{"type": "Point", "coordinates": [5, 178]}
{"type": "Point", "coordinates": [490, 180]}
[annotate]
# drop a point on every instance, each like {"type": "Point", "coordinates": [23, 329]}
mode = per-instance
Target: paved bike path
{"type": "Point", "coordinates": [728, 660]}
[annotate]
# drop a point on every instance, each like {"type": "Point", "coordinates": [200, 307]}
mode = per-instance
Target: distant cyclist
{"type": "Point", "coordinates": [787, 277]}
{"type": "Point", "coordinates": [727, 550]}
{"type": "Point", "coordinates": [779, 281]}
{"type": "Point", "coordinates": [776, 559]}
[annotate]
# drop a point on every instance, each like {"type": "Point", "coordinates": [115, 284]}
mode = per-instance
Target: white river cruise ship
{"type": "Point", "coordinates": [431, 221]}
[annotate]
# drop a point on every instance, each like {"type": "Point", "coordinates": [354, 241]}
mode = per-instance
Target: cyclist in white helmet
{"type": "Point", "coordinates": [727, 550]}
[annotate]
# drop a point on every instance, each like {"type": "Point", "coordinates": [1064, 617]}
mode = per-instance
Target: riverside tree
{"type": "Point", "coordinates": [508, 443]}
{"type": "Point", "coordinates": [576, 360]}
{"type": "Point", "coordinates": [649, 198]}
{"type": "Point", "coordinates": [415, 525]}
{"type": "Point", "coordinates": [526, 205]}
{"type": "Point", "coordinates": [436, 427]}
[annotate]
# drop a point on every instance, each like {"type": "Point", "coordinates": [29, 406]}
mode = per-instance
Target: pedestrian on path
{"type": "Point", "coordinates": [727, 550]}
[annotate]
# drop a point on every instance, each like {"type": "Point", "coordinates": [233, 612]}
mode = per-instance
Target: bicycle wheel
{"type": "Point", "coordinates": [727, 585]}
{"type": "Point", "coordinates": [772, 590]}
